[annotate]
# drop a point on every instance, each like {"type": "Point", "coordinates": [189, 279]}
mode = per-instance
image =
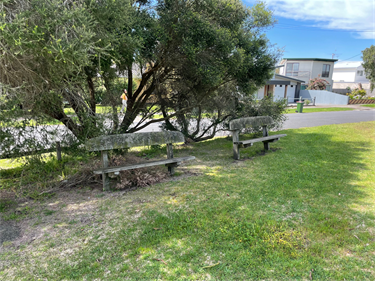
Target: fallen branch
{"type": "Point", "coordinates": [311, 271]}
{"type": "Point", "coordinates": [161, 261]}
{"type": "Point", "coordinates": [209, 266]}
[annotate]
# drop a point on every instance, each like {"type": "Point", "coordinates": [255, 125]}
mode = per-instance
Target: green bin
{"type": "Point", "coordinates": [299, 106]}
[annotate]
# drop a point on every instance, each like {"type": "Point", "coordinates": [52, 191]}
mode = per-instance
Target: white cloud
{"type": "Point", "coordinates": [350, 15]}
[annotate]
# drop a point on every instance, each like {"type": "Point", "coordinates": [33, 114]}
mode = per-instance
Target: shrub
{"type": "Point", "coordinates": [307, 102]}
{"type": "Point", "coordinates": [264, 107]}
{"type": "Point", "coordinates": [317, 84]}
{"type": "Point", "coordinates": [357, 94]}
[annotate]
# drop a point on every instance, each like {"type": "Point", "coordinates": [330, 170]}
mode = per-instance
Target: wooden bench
{"type": "Point", "coordinates": [236, 125]}
{"type": "Point", "coordinates": [106, 143]}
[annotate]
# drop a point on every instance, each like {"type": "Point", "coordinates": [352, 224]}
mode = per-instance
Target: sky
{"type": "Point", "coordinates": [322, 28]}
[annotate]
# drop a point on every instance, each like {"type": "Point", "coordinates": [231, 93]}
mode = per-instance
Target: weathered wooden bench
{"type": "Point", "coordinates": [236, 125]}
{"type": "Point", "coordinates": [106, 143]}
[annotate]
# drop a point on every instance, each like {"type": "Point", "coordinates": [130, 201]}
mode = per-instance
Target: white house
{"type": "Point", "coordinates": [308, 68]}
{"type": "Point", "coordinates": [281, 87]}
{"type": "Point", "coordinates": [349, 72]}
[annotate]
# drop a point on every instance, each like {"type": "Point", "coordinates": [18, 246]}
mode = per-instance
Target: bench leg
{"type": "Point", "coordinates": [265, 134]}
{"type": "Point", "coordinates": [170, 156]}
{"type": "Point", "coordinates": [266, 145]}
{"type": "Point", "coordinates": [105, 176]}
{"type": "Point", "coordinates": [236, 147]}
{"type": "Point", "coordinates": [171, 168]}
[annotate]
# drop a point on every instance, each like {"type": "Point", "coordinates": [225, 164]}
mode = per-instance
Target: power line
{"type": "Point", "coordinates": [351, 57]}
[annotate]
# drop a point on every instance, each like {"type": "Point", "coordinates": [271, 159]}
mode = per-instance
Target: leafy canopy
{"type": "Point", "coordinates": [368, 57]}
{"type": "Point", "coordinates": [58, 51]}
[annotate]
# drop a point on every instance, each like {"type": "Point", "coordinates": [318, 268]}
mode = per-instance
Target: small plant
{"type": "Point", "coordinates": [48, 212]}
{"type": "Point", "coordinates": [5, 205]}
{"type": "Point", "coordinates": [307, 102]}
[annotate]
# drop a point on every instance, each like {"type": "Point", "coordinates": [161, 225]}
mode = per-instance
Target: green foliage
{"type": "Point", "coordinates": [357, 94]}
{"type": "Point", "coordinates": [205, 121]}
{"type": "Point", "coordinates": [368, 57]}
{"type": "Point", "coordinates": [264, 107]}
{"type": "Point", "coordinates": [40, 172]}
{"type": "Point", "coordinates": [307, 102]}
{"type": "Point", "coordinates": [186, 54]}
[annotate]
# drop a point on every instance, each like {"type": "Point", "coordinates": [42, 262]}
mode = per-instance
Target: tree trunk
{"type": "Point", "coordinates": [90, 84]}
{"type": "Point", "coordinates": [115, 118]}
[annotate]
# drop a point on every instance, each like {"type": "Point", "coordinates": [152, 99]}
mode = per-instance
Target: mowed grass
{"type": "Point", "coordinates": [304, 211]}
{"type": "Point", "coordinates": [368, 105]}
{"type": "Point", "coordinates": [100, 109]}
{"type": "Point", "coordinates": [308, 109]}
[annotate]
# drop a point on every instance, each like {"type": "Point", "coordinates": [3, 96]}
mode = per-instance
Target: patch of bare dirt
{"type": "Point", "coordinates": [9, 231]}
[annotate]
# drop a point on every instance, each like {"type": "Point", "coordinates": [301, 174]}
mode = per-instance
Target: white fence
{"type": "Point", "coordinates": [324, 97]}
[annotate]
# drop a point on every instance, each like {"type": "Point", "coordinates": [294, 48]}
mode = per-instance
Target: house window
{"type": "Point", "coordinates": [326, 68]}
{"type": "Point", "coordinates": [360, 72]}
{"type": "Point", "coordinates": [292, 69]}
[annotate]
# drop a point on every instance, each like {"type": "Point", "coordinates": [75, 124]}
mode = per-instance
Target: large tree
{"type": "Point", "coordinates": [368, 57]}
{"type": "Point", "coordinates": [55, 51]}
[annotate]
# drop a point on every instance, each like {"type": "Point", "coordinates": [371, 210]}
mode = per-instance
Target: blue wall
{"type": "Point", "coordinates": [325, 97]}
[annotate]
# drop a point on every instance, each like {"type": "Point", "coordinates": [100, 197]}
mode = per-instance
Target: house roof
{"type": "Point", "coordinates": [316, 59]}
{"type": "Point", "coordinates": [283, 77]}
{"type": "Point", "coordinates": [347, 64]}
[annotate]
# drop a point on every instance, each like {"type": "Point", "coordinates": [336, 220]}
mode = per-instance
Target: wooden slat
{"type": "Point", "coordinates": [142, 165]}
{"type": "Point", "coordinates": [247, 122]}
{"type": "Point", "coordinates": [109, 142]}
{"type": "Point", "coordinates": [261, 139]}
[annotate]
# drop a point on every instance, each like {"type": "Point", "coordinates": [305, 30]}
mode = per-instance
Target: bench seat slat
{"type": "Point", "coordinates": [260, 139]}
{"type": "Point", "coordinates": [142, 165]}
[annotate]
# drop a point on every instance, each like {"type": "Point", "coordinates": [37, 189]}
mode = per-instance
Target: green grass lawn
{"type": "Point", "coordinates": [100, 109]}
{"type": "Point", "coordinates": [307, 208]}
{"type": "Point", "coordinates": [368, 105]}
{"type": "Point", "coordinates": [308, 109]}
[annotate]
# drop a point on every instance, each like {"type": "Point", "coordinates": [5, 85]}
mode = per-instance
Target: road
{"type": "Point", "coordinates": [301, 120]}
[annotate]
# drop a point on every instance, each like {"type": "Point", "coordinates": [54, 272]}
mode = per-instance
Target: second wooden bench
{"type": "Point", "coordinates": [236, 125]}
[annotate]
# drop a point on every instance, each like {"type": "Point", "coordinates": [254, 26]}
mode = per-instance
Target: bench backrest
{"type": "Point", "coordinates": [247, 122]}
{"type": "Point", "coordinates": [133, 140]}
